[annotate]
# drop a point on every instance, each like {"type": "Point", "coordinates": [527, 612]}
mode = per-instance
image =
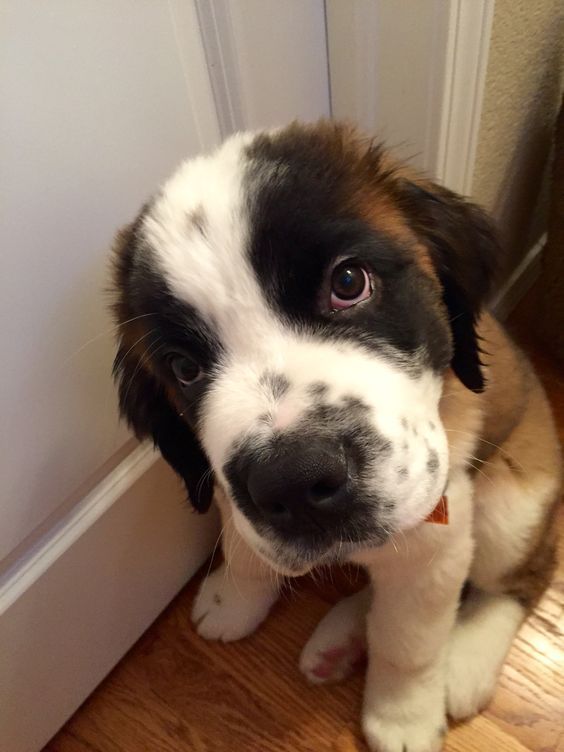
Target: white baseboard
{"type": "Point", "coordinates": [519, 282]}
{"type": "Point", "coordinates": [73, 607]}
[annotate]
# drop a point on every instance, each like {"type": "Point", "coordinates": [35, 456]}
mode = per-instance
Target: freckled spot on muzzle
{"type": "Point", "coordinates": [318, 389]}
{"type": "Point", "coordinates": [354, 403]}
{"type": "Point", "coordinates": [433, 462]}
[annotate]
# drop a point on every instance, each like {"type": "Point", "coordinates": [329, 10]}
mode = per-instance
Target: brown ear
{"type": "Point", "coordinates": [466, 255]}
{"type": "Point", "coordinates": [145, 406]}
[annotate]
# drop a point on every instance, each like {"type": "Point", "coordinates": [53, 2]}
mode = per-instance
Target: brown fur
{"type": "Point", "coordinates": [528, 582]}
{"type": "Point", "coordinates": [515, 434]}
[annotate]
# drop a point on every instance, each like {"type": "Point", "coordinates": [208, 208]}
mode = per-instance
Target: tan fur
{"type": "Point", "coordinates": [515, 442]}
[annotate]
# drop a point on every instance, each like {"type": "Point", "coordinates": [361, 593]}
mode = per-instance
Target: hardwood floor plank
{"type": "Point", "coordinates": [482, 735]}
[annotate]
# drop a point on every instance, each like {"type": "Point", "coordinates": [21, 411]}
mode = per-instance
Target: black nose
{"type": "Point", "coordinates": [302, 486]}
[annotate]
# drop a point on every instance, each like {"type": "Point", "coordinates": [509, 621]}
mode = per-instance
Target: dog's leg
{"type": "Point", "coordinates": [338, 644]}
{"type": "Point", "coordinates": [237, 596]}
{"type": "Point", "coordinates": [515, 501]}
{"type": "Point", "coordinates": [416, 596]}
{"type": "Point", "coordinates": [479, 643]}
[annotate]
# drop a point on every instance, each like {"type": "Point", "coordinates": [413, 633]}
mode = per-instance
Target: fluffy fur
{"type": "Point", "coordinates": [323, 432]}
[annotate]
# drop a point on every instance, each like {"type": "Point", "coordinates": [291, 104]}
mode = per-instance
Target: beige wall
{"type": "Point", "coordinates": [523, 84]}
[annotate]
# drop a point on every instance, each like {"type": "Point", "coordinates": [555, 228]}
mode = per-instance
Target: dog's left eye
{"type": "Point", "coordinates": [186, 370]}
{"type": "Point", "coordinates": [350, 284]}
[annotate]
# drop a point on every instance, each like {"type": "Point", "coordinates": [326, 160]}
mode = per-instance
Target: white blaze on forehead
{"type": "Point", "coordinates": [198, 229]}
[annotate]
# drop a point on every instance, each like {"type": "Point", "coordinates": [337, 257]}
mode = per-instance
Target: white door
{"type": "Point", "coordinates": [100, 101]}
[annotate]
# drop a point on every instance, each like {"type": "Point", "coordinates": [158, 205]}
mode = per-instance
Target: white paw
{"type": "Point", "coordinates": [338, 645]}
{"type": "Point", "coordinates": [478, 646]}
{"type": "Point", "coordinates": [228, 609]}
{"type": "Point", "coordinates": [404, 711]}
{"type": "Point", "coordinates": [470, 685]}
{"type": "Point", "coordinates": [424, 735]}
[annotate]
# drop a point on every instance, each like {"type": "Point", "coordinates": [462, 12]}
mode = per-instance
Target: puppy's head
{"type": "Point", "coordinates": [288, 307]}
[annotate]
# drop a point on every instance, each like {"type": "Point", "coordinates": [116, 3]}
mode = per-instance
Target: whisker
{"type": "Point", "coordinates": [104, 334]}
{"type": "Point", "coordinates": [490, 443]}
{"type": "Point", "coordinates": [121, 360]}
{"type": "Point", "coordinates": [204, 584]}
{"type": "Point", "coordinates": [406, 541]}
{"type": "Point", "coordinates": [482, 462]}
{"type": "Point", "coordinates": [392, 540]}
{"type": "Point", "coordinates": [142, 359]}
{"type": "Point", "coordinates": [477, 469]}
{"type": "Point", "coordinates": [331, 576]}
{"type": "Point", "coordinates": [235, 544]}
{"type": "Point", "coordinates": [199, 486]}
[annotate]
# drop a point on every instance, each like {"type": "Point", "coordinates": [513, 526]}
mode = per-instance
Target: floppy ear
{"type": "Point", "coordinates": [466, 255]}
{"type": "Point", "coordinates": [144, 404]}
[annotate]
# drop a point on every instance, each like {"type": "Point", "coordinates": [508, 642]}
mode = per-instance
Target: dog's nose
{"type": "Point", "coordinates": [301, 487]}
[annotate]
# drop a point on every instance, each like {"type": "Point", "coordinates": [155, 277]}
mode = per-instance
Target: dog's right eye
{"type": "Point", "coordinates": [186, 370]}
{"type": "Point", "coordinates": [350, 284]}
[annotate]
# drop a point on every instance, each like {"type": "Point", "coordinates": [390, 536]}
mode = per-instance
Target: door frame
{"type": "Point", "coordinates": [431, 99]}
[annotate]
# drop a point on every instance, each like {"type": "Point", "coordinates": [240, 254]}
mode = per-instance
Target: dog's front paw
{"type": "Point", "coordinates": [423, 735]}
{"type": "Point", "coordinates": [338, 645]}
{"type": "Point", "coordinates": [228, 609]}
{"type": "Point", "coordinates": [477, 649]}
{"type": "Point", "coordinates": [470, 684]}
{"type": "Point", "coordinates": [404, 712]}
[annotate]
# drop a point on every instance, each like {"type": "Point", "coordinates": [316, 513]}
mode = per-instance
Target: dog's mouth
{"type": "Point", "coordinates": [300, 556]}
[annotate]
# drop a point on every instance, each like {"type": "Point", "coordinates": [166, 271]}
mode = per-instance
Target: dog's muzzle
{"type": "Point", "coordinates": [301, 487]}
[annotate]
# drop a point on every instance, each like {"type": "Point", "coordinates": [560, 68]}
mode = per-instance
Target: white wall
{"type": "Point", "coordinates": [383, 58]}
{"type": "Point", "coordinates": [98, 105]}
{"type": "Point", "coordinates": [267, 60]}
{"type": "Point", "coordinates": [281, 53]}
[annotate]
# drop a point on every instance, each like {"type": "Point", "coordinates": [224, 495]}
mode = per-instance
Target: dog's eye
{"type": "Point", "coordinates": [186, 370]}
{"type": "Point", "coordinates": [350, 284]}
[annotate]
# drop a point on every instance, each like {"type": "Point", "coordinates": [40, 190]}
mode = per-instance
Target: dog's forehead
{"type": "Point", "coordinates": [246, 235]}
{"type": "Point", "coordinates": [264, 190]}
{"type": "Point", "coordinates": [197, 232]}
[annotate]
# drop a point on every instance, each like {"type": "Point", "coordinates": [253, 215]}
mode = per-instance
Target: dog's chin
{"type": "Point", "coordinates": [286, 564]}
{"type": "Point", "coordinates": [298, 556]}
{"type": "Point", "coordinates": [289, 559]}
{"type": "Point", "coordinates": [297, 560]}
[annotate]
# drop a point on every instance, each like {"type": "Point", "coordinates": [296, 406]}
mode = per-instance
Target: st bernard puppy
{"type": "Point", "coordinates": [302, 334]}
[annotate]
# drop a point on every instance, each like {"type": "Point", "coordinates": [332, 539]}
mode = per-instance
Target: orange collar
{"type": "Point", "coordinates": [439, 515]}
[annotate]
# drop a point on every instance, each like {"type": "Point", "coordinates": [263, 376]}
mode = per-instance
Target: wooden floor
{"type": "Point", "coordinates": [174, 692]}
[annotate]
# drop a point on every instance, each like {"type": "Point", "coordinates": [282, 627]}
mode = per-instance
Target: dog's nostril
{"type": "Point", "coordinates": [324, 489]}
{"type": "Point", "coordinates": [278, 510]}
